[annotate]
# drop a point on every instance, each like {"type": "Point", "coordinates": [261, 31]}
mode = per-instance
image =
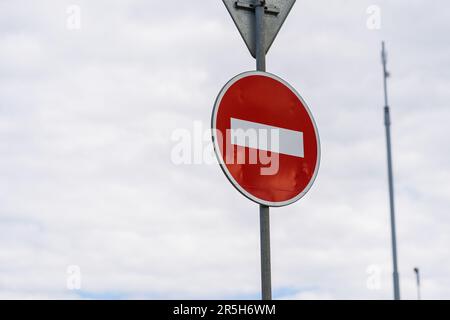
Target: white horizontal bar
{"type": "Point", "coordinates": [268, 138]}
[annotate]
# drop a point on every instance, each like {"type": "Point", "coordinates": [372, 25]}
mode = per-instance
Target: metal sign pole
{"type": "Point", "coordinates": [387, 123]}
{"type": "Point", "coordinates": [258, 31]}
{"type": "Point", "coordinates": [266, 285]}
{"type": "Point", "coordinates": [264, 220]}
{"type": "Point", "coordinates": [259, 37]}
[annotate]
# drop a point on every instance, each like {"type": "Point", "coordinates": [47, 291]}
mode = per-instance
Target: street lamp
{"type": "Point", "coordinates": [416, 270]}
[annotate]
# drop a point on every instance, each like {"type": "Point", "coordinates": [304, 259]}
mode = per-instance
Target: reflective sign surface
{"type": "Point", "coordinates": [265, 138]}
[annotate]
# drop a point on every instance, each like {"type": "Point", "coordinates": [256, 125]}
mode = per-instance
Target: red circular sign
{"type": "Point", "coordinates": [265, 139]}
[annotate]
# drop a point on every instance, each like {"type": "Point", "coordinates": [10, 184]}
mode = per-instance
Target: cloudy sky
{"type": "Point", "coordinates": [90, 196]}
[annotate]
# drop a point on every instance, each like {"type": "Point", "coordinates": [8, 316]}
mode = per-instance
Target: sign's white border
{"type": "Point", "coordinates": [220, 158]}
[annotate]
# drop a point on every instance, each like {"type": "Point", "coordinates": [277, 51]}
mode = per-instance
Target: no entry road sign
{"type": "Point", "coordinates": [265, 138]}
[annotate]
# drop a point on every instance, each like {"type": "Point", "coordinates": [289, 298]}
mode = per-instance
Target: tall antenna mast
{"type": "Point", "coordinates": [387, 123]}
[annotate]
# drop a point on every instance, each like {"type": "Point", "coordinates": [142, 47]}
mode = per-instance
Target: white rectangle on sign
{"type": "Point", "coordinates": [268, 138]}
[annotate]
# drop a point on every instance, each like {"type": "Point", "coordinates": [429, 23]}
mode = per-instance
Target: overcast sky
{"type": "Point", "coordinates": [87, 182]}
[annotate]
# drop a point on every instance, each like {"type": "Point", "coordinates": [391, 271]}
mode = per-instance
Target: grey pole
{"type": "Point", "coordinates": [259, 36]}
{"type": "Point", "coordinates": [416, 270]}
{"type": "Point", "coordinates": [266, 282]}
{"type": "Point", "coordinates": [266, 286]}
{"type": "Point", "coordinates": [387, 123]}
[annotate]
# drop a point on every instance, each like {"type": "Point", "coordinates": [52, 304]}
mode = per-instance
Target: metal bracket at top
{"type": "Point", "coordinates": [269, 9]}
{"type": "Point", "coordinates": [243, 13]}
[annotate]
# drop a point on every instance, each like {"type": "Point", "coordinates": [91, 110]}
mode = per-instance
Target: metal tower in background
{"type": "Point", "coordinates": [387, 123]}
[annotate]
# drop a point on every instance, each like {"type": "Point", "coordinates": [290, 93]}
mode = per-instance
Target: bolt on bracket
{"type": "Point", "coordinates": [250, 5]}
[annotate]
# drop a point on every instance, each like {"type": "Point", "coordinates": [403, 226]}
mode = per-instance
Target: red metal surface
{"type": "Point", "coordinates": [265, 100]}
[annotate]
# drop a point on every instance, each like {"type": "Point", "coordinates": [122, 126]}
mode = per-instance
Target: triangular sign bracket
{"type": "Point", "coordinates": [242, 12]}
